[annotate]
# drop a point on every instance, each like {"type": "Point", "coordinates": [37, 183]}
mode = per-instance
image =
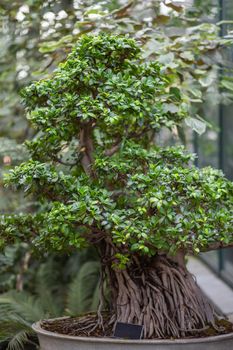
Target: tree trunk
{"type": "Point", "coordinates": [162, 296]}
{"type": "Point", "coordinates": [86, 149]}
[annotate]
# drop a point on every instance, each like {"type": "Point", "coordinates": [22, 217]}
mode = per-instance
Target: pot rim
{"type": "Point", "coordinates": [40, 331]}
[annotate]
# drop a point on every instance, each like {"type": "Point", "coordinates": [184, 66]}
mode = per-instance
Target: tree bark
{"type": "Point", "coordinates": [86, 149]}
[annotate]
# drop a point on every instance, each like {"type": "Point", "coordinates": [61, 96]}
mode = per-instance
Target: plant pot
{"type": "Point", "coordinates": [54, 341]}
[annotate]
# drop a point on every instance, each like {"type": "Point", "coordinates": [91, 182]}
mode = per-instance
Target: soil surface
{"type": "Point", "coordinates": [85, 326]}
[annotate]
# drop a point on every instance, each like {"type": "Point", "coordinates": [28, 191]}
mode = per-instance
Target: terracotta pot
{"type": "Point", "coordinates": [53, 341]}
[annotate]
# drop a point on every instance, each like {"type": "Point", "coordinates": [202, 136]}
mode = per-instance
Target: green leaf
{"type": "Point", "coordinates": [167, 58]}
{"type": "Point", "coordinates": [196, 124]}
{"type": "Point", "coordinates": [187, 55]}
{"type": "Point", "coordinates": [227, 84]}
{"type": "Point", "coordinates": [208, 80]}
{"type": "Point", "coordinates": [170, 107]}
{"type": "Point", "coordinates": [176, 92]}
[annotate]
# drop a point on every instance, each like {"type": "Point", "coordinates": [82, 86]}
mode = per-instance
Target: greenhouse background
{"type": "Point", "coordinates": [32, 43]}
{"type": "Point", "coordinates": [215, 148]}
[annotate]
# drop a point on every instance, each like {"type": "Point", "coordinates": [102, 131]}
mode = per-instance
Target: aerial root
{"type": "Point", "coordinates": [164, 298]}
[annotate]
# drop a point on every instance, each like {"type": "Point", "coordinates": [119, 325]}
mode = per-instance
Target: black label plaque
{"type": "Point", "coordinates": [128, 331]}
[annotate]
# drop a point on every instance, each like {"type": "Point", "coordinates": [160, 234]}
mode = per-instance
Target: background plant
{"type": "Point", "coordinates": [57, 286]}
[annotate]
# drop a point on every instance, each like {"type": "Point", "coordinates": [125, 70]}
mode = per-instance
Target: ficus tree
{"type": "Point", "coordinates": [102, 181]}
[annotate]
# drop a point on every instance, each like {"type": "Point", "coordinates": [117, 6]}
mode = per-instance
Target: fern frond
{"type": "Point", "coordinates": [49, 288]}
{"type": "Point", "coordinates": [16, 331]}
{"type": "Point", "coordinates": [18, 341]}
{"type": "Point", "coordinates": [75, 261]}
{"type": "Point", "coordinates": [23, 304]}
{"type": "Point", "coordinates": [83, 288]}
{"type": "Point", "coordinates": [8, 257]}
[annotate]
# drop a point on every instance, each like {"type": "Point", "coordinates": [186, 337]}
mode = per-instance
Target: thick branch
{"type": "Point", "coordinates": [109, 152]}
{"type": "Point", "coordinates": [86, 149]}
{"type": "Point", "coordinates": [179, 258]}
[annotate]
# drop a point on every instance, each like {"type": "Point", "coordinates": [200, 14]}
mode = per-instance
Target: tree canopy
{"type": "Point", "coordinates": [94, 166]}
{"type": "Point", "coordinates": [37, 35]}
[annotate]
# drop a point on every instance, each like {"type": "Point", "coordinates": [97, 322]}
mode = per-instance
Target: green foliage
{"type": "Point", "coordinates": [80, 92]}
{"type": "Point", "coordinates": [83, 292]}
{"type": "Point", "coordinates": [9, 264]}
{"type": "Point", "coordinates": [146, 198]}
{"type": "Point", "coordinates": [184, 39]}
{"type": "Point", "coordinates": [37, 35]}
{"type": "Point", "coordinates": [18, 310]}
{"type": "Point", "coordinates": [11, 154]}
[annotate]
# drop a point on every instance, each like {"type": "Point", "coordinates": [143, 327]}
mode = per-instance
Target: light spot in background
{"type": "Point", "coordinates": [61, 15]}
{"type": "Point", "coordinates": [49, 16]}
{"type": "Point", "coordinates": [44, 24]}
{"type": "Point", "coordinates": [164, 10]}
{"type": "Point", "coordinates": [21, 13]}
{"type": "Point", "coordinates": [24, 9]}
{"type": "Point", "coordinates": [22, 74]}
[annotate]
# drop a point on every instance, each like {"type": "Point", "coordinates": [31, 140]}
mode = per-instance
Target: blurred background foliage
{"type": "Point", "coordinates": [35, 36]}
{"type": "Point", "coordinates": [38, 289]}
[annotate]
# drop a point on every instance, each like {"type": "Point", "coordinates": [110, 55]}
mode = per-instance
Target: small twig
{"type": "Point", "coordinates": [113, 150]}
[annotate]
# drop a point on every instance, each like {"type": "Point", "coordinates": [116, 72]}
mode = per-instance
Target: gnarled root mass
{"type": "Point", "coordinates": [164, 298]}
{"type": "Point", "coordinates": [161, 295]}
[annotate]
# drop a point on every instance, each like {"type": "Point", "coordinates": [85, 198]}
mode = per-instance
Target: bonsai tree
{"type": "Point", "coordinates": [102, 181]}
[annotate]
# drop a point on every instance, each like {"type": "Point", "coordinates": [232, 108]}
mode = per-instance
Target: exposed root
{"type": "Point", "coordinates": [164, 298]}
{"type": "Point", "coordinates": [84, 326]}
{"type": "Point", "coordinates": [80, 326]}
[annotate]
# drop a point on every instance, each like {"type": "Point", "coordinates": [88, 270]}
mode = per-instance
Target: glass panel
{"type": "Point", "coordinates": [212, 259]}
{"type": "Point", "coordinates": [208, 142]}
{"type": "Point", "coordinates": [227, 272]}
{"type": "Point", "coordinates": [228, 141]}
{"type": "Point", "coordinates": [228, 10]}
{"type": "Point", "coordinates": [228, 260]}
{"type": "Point", "coordinates": [227, 163]}
{"type": "Point", "coordinates": [210, 154]}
